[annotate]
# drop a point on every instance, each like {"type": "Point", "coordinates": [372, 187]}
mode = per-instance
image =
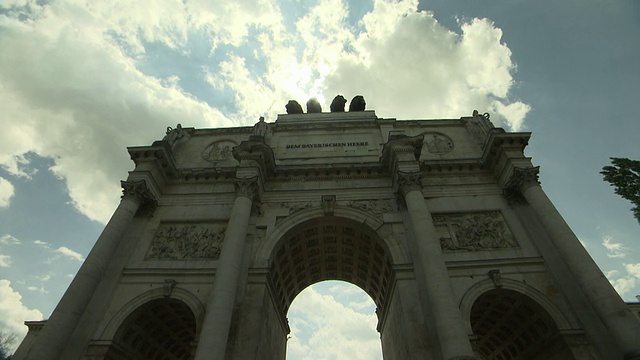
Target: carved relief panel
{"type": "Point", "coordinates": [218, 151]}
{"type": "Point", "coordinates": [180, 241]}
{"type": "Point", "coordinates": [435, 144]}
{"type": "Point", "coordinates": [473, 231]}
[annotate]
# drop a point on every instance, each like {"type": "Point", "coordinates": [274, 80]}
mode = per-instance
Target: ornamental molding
{"type": "Point", "coordinates": [186, 241]}
{"type": "Point", "coordinates": [473, 231]}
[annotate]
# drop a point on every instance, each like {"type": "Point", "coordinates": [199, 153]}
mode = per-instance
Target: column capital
{"type": "Point", "coordinates": [523, 178]}
{"type": "Point", "coordinates": [247, 187]}
{"type": "Point", "coordinates": [408, 181]}
{"type": "Point", "coordinates": [138, 191]}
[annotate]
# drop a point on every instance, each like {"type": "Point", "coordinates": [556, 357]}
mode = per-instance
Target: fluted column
{"type": "Point", "coordinates": [452, 335]}
{"type": "Point", "coordinates": [212, 343]}
{"type": "Point", "coordinates": [624, 326]}
{"type": "Point", "coordinates": [51, 341]}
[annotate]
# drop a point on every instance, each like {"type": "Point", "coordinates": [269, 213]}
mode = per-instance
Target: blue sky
{"type": "Point", "coordinates": [80, 81]}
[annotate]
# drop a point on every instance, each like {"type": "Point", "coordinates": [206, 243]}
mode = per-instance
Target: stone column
{"type": "Point", "coordinates": [452, 335]}
{"type": "Point", "coordinates": [57, 330]}
{"type": "Point", "coordinates": [623, 325]}
{"type": "Point", "coordinates": [212, 343]}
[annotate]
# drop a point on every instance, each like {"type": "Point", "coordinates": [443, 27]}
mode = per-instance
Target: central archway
{"type": "Point", "coordinates": [330, 248]}
{"type": "Point", "coordinates": [333, 320]}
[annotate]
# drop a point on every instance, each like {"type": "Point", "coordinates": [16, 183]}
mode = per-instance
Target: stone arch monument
{"type": "Point", "coordinates": [442, 222]}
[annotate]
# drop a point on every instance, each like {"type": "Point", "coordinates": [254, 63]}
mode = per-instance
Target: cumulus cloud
{"type": "Point", "coordinates": [13, 313]}
{"type": "Point", "coordinates": [6, 192]}
{"type": "Point", "coordinates": [69, 92]}
{"type": "Point", "coordinates": [625, 282]}
{"type": "Point", "coordinates": [324, 328]}
{"type": "Point", "coordinates": [409, 66]}
{"type": "Point", "coordinates": [69, 253]}
{"type": "Point", "coordinates": [614, 250]}
{"type": "Point", "coordinates": [76, 84]}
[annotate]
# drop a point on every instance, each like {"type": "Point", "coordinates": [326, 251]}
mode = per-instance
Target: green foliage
{"type": "Point", "coordinates": [6, 340]}
{"type": "Point", "coordinates": [624, 175]}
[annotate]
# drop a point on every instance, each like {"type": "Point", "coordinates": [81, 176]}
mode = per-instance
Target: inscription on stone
{"type": "Point", "coordinates": [187, 241]}
{"type": "Point", "coordinates": [473, 231]}
{"type": "Point", "coordinates": [326, 145]}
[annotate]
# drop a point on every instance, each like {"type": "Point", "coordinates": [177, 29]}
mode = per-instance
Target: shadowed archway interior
{"type": "Point", "coordinates": [330, 248]}
{"type": "Point", "coordinates": [510, 325]}
{"type": "Point", "coordinates": [159, 329]}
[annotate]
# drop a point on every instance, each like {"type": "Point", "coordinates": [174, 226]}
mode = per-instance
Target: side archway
{"type": "Point", "coordinates": [186, 297]}
{"type": "Point", "coordinates": [507, 324]}
{"type": "Point", "coordinates": [159, 329]}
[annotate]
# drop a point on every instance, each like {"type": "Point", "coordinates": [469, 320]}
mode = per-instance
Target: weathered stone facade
{"type": "Point", "coordinates": [442, 222]}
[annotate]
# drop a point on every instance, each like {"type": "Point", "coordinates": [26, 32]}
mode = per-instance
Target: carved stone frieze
{"type": "Point", "coordinates": [473, 231]}
{"type": "Point", "coordinates": [295, 207]}
{"type": "Point", "coordinates": [373, 207]}
{"type": "Point", "coordinates": [187, 241]}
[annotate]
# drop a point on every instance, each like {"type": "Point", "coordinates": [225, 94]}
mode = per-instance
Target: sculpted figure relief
{"type": "Point", "coordinates": [478, 231]}
{"type": "Point", "coordinates": [186, 242]}
{"type": "Point", "coordinates": [437, 143]}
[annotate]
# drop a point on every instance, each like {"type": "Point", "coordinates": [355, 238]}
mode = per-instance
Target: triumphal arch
{"type": "Point", "coordinates": [442, 222]}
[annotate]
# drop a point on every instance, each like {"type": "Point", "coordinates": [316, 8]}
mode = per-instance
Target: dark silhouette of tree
{"type": "Point", "coordinates": [6, 340]}
{"type": "Point", "coordinates": [624, 175]}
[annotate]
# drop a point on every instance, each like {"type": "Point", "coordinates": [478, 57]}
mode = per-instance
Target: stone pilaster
{"type": "Point", "coordinates": [453, 338]}
{"type": "Point", "coordinates": [212, 343]}
{"type": "Point", "coordinates": [63, 321]}
{"type": "Point", "coordinates": [614, 313]}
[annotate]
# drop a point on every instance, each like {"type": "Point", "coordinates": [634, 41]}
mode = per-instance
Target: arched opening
{"type": "Point", "coordinates": [333, 320]}
{"type": "Point", "coordinates": [509, 325]}
{"type": "Point", "coordinates": [331, 248]}
{"type": "Point", "coordinates": [159, 329]}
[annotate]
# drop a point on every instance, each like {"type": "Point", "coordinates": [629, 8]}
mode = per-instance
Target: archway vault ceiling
{"type": "Point", "coordinates": [330, 248]}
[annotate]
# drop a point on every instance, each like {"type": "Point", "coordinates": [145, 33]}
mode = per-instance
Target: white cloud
{"type": "Point", "coordinates": [69, 253]}
{"type": "Point", "coordinates": [626, 282]}
{"type": "Point", "coordinates": [614, 250]}
{"type": "Point", "coordinates": [44, 244]}
{"type": "Point", "coordinates": [409, 66]}
{"type": "Point", "coordinates": [8, 239]}
{"type": "Point", "coordinates": [13, 313]}
{"type": "Point", "coordinates": [70, 93]}
{"type": "Point", "coordinates": [326, 329]}
{"type": "Point", "coordinates": [6, 192]}
{"type": "Point", "coordinates": [72, 89]}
